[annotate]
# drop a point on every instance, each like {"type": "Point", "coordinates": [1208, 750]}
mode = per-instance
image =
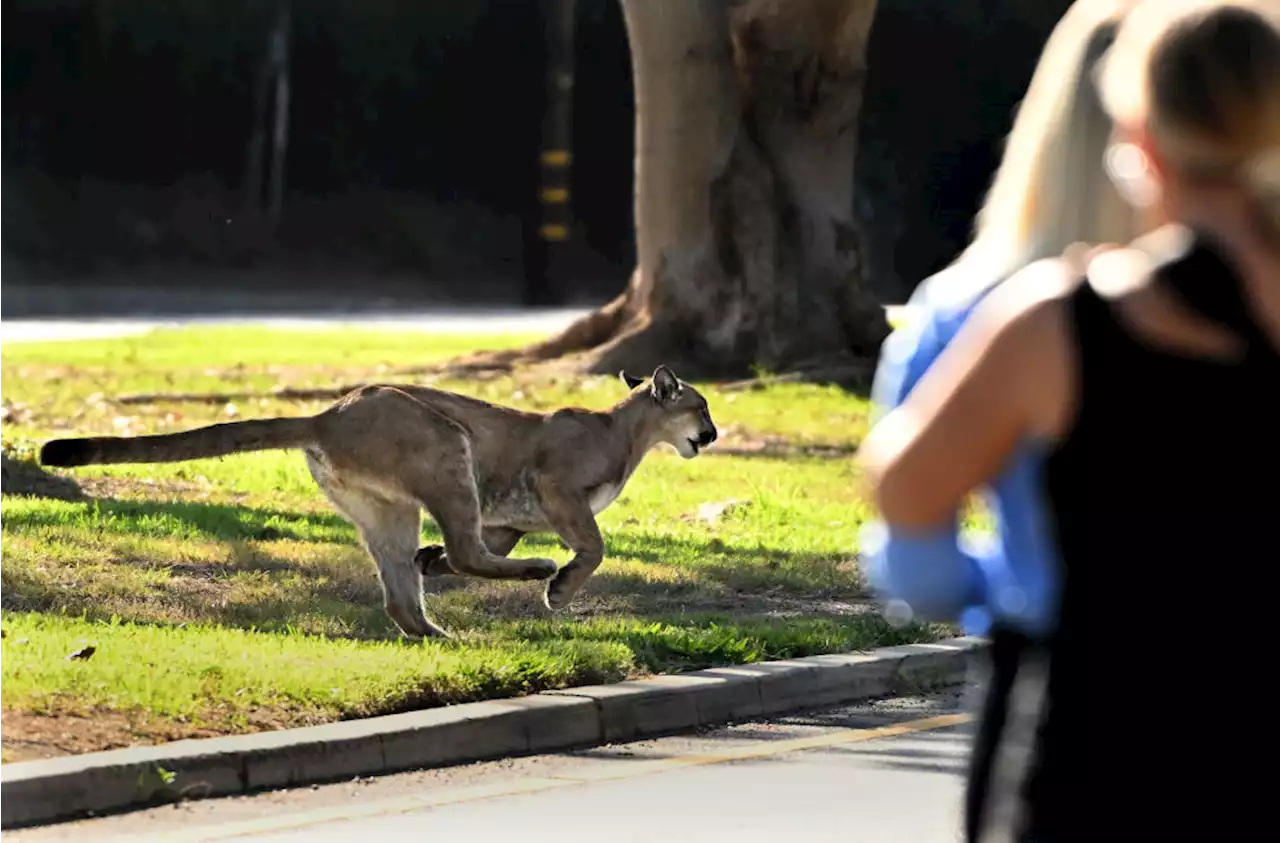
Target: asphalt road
{"type": "Point", "coordinates": [887, 771]}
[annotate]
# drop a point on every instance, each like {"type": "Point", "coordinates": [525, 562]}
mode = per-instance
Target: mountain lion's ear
{"type": "Point", "coordinates": [666, 385]}
{"type": "Point", "coordinates": [631, 382]}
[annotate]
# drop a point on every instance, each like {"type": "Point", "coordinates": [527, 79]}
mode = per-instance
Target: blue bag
{"type": "Point", "coordinates": [941, 575]}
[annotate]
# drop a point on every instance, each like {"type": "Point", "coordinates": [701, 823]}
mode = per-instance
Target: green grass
{"type": "Point", "coordinates": [224, 595]}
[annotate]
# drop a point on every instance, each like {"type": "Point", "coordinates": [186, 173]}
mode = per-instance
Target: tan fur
{"type": "Point", "coordinates": [487, 474]}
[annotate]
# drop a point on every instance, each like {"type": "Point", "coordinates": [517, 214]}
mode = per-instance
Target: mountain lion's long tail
{"type": "Point", "coordinates": [214, 441]}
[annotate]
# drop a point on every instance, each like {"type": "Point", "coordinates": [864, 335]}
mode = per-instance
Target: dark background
{"type": "Point", "coordinates": [413, 142]}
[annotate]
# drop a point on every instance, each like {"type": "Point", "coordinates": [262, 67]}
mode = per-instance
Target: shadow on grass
{"type": "Point", "coordinates": [225, 522]}
{"type": "Point", "coordinates": [704, 564]}
{"type": "Point", "coordinates": [24, 477]}
{"type": "Point", "coordinates": [262, 585]}
{"type": "Point", "coordinates": [268, 595]}
{"type": "Point", "coordinates": [662, 638]}
{"type": "Point", "coordinates": [340, 597]}
{"type": "Point", "coordinates": [739, 568]}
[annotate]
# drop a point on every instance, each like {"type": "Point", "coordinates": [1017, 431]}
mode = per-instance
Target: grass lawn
{"type": "Point", "coordinates": [224, 596]}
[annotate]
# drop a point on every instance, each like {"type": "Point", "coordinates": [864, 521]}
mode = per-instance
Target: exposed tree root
{"type": "Point", "coordinates": [284, 394]}
{"type": "Point", "coordinates": [450, 369]}
{"type": "Point", "coordinates": [590, 331]}
{"type": "Point", "coordinates": [854, 375]}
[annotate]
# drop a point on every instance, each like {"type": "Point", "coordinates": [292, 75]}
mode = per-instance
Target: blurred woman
{"type": "Point", "coordinates": [1152, 380]}
{"type": "Point", "coordinates": [1050, 192]}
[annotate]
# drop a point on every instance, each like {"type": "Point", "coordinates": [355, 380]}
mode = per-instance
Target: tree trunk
{"type": "Point", "coordinates": [748, 254]}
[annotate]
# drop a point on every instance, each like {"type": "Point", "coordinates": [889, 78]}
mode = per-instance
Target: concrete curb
{"type": "Point", "coordinates": [36, 792]}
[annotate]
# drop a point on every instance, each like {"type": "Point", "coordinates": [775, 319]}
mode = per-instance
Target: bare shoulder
{"type": "Point", "coordinates": [1028, 310]}
{"type": "Point", "coordinates": [1019, 340]}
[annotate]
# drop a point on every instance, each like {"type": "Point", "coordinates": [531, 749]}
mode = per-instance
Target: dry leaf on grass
{"type": "Point", "coordinates": [14, 413]}
{"type": "Point", "coordinates": [713, 511]}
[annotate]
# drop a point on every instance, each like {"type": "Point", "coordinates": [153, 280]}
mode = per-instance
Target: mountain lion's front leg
{"type": "Point", "coordinates": [570, 515]}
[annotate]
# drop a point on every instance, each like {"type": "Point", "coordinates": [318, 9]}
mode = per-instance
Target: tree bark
{"type": "Point", "coordinates": [748, 253]}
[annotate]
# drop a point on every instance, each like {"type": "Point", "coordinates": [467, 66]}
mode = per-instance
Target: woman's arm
{"type": "Point", "coordinates": [1003, 379]}
{"type": "Point", "coordinates": [935, 574]}
{"type": "Point", "coordinates": [921, 573]}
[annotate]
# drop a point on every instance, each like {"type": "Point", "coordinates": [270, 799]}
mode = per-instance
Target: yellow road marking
{"type": "Point", "coordinates": [746, 753]}
{"type": "Point", "coordinates": [475, 793]}
{"type": "Point", "coordinates": [556, 157]}
{"type": "Point", "coordinates": [555, 195]}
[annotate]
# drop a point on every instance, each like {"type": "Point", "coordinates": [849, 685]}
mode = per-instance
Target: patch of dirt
{"type": "Point", "coordinates": [786, 607]}
{"type": "Point", "coordinates": [169, 489]}
{"type": "Point", "coordinates": [607, 594]}
{"type": "Point", "coordinates": [738, 442]}
{"type": "Point", "coordinates": [28, 737]}
{"type": "Point", "coordinates": [735, 603]}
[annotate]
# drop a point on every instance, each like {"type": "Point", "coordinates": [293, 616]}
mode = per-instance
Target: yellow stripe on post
{"type": "Point", "coordinates": [556, 157]}
{"type": "Point", "coordinates": [555, 195]}
{"type": "Point", "coordinates": [553, 231]}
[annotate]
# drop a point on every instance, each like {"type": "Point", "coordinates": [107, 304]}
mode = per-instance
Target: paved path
{"type": "Point", "coordinates": [497, 320]}
{"type": "Point", "coordinates": [875, 773]}
{"type": "Point", "coordinates": [438, 321]}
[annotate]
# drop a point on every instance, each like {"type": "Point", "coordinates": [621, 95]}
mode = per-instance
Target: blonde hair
{"type": "Point", "coordinates": [1203, 76]}
{"type": "Point", "coordinates": [1051, 189]}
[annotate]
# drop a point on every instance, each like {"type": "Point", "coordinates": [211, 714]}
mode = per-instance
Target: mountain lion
{"type": "Point", "coordinates": [487, 474]}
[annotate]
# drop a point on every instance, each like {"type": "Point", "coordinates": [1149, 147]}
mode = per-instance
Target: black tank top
{"type": "Point", "coordinates": [1166, 502]}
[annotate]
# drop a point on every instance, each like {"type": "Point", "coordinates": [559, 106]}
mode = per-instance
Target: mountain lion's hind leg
{"type": "Point", "coordinates": [435, 563]}
{"type": "Point", "coordinates": [445, 484]}
{"type": "Point", "coordinates": [392, 540]}
{"type": "Point", "coordinates": [390, 532]}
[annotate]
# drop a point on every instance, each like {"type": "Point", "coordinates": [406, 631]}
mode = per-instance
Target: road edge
{"type": "Point", "coordinates": [60, 789]}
